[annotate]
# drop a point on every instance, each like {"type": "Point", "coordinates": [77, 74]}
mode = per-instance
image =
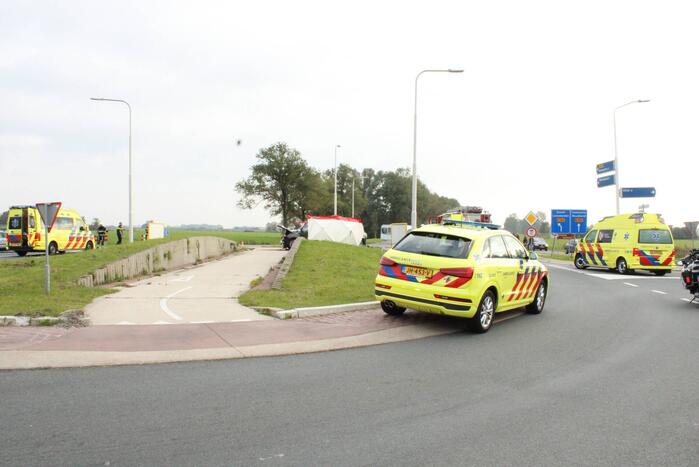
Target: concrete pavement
{"type": "Point", "coordinates": [202, 294]}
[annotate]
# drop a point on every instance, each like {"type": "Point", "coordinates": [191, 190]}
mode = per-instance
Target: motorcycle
{"type": "Point", "coordinates": [690, 273]}
{"type": "Point", "coordinates": [288, 236]}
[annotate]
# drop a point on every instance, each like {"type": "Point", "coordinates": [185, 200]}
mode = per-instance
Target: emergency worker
{"type": "Point", "coordinates": [101, 233]}
{"type": "Point", "coordinates": [120, 233]}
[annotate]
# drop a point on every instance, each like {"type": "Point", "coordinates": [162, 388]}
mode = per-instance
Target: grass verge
{"type": "Point", "coordinates": [323, 273]}
{"type": "Point", "coordinates": [22, 279]}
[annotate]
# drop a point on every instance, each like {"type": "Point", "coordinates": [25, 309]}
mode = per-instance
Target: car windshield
{"type": "Point", "coordinates": [658, 236]}
{"type": "Point", "coordinates": [435, 244]}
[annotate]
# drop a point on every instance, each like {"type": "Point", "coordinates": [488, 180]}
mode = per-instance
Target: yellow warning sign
{"type": "Point", "coordinates": [531, 218]}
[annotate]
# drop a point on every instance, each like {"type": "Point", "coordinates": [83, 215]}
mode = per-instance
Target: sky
{"type": "Point", "coordinates": [522, 128]}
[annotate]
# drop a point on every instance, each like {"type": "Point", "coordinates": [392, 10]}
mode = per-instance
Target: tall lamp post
{"type": "Point", "coordinates": [336, 146]}
{"type": "Point", "coordinates": [413, 212]}
{"type": "Point", "coordinates": [130, 171]}
{"type": "Point", "coordinates": [617, 186]}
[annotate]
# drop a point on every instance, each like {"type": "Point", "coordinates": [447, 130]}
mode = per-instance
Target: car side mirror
{"type": "Point", "coordinates": [533, 256]}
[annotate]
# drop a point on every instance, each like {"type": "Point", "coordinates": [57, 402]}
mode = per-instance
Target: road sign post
{"type": "Point", "coordinates": [48, 213]}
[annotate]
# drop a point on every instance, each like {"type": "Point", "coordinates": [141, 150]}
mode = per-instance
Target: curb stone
{"type": "Point", "coordinates": [286, 263]}
{"type": "Point", "coordinates": [70, 318]}
{"type": "Point", "coordinates": [321, 310]}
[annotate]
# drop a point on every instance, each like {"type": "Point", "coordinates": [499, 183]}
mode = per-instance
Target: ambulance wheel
{"type": "Point", "coordinates": [483, 319]}
{"type": "Point", "coordinates": [661, 272]}
{"type": "Point", "coordinates": [537, 306]}
{"type": "Point", "coordinates": [390, 308]}
{"type": "Point", "coordinates": [579, 262]}
{"type": "Point", "coordinates": [53, 248]}
{"type": "Point", "coordinates": [21, 253]}
{"type": "Point", "coordinates": [89, 246]}
{"type": "Point", "coordinates": [622, 266]}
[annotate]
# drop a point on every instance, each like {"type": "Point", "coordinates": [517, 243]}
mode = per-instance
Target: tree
{"type": "Point", "coordinates": [278, 180]}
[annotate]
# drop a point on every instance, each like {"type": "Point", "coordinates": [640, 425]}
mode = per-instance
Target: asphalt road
{"type": "Point", "coordinates": [607, 375]}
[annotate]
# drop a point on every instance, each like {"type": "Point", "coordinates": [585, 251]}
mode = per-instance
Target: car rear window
{"type": "Point", "coordinates": [658, 236]}
{"type": "Point", "coordinates": [435, 244]}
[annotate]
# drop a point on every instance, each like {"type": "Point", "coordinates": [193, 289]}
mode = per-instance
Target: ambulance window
{"type": "Point", "coordinates": [658, 236]}
{"type": "Point", "coordinates": [15, 222]}
{"type": "Point", "coordinates": [32, 224]}
{"type": "Point", "coordinates": [515, 248]}
{"type": "Point", "coordinates": [497, 248]}
{"type": "Point", "coordinates": [590, 237]}
{"type": "Point", "coordinates": [605, 236]}
{"type": "Point", "coordinates": [64, 223]}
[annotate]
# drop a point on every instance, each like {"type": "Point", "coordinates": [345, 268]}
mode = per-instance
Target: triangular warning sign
{"type": "Point", "coordinates": [48, 213]}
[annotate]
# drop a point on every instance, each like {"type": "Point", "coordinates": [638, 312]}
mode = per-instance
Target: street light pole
{"type": "Point", "coordinates": [130, 166]}
{"type": "Point", "coordinates": [617, 186]}
{"type": "Point", "coordinates": [353, 196]}
{"type": "Point", "coordinates": [413, 212]}
{"type": "Point", "coordinates": [336, 146]}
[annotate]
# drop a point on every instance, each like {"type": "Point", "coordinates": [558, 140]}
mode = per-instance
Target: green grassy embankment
{"type": "Point", "coordinates": [22, 279]}
{"type": "Point", "coordinates": [323, 273]}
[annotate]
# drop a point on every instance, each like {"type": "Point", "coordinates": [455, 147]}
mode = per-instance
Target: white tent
{"type": "Point", "coordinates": [336, 229]}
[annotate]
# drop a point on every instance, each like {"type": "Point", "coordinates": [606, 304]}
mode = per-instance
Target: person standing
{"type": "Point", "coordinates": [101, 233]}
{"type": "Point", "coordinates": [120, 233]}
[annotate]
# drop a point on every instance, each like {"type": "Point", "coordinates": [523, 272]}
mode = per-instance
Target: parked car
{"type": "Point", "coordinates": [539, 243]}
{"type": "Point", "coordinates": [3, 241]}
{"type": "Point", "coordinates": [570, 246]}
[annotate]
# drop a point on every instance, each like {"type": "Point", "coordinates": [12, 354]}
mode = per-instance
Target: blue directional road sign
{"type": "Point", "coordinates": [578, 221]}
{"type": "Point", "coordinates": [605, 167]}
{"type": "Point", "coordinates": [642, 192]}
{"type": "Point", "coordinates": [560, 221]}
{"type": "Point", "coordinates": [568, 221]}
{"type": "Point", "coordinates": [606, 181]}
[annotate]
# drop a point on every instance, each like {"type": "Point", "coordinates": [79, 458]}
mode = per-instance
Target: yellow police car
{"type": "Point", "coordinates": [461, 270]}
{"type": "Point", "coordinates": [627, 242]}
{"type": "Point", "coordinates": [25, 231]}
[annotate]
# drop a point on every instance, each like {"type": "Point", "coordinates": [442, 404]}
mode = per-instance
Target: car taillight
{"type": "Point", "coordinates": [456, 299]}
{"type": "Point", "coordinates": [687, 279]}
{"type": "Point", "coordinates": [466, 273]}
{"type": "Point", "coordinates": [387, 261]}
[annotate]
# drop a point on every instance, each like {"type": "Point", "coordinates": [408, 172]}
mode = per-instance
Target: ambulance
{"type": "Point", "coordinates": [628, 242]}
{"type": "Point", "coordinates": [25, 231]}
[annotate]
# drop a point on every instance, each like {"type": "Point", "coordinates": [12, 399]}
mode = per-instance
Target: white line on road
{"type": "Point", "coordinates": [201, 322]}
{"type": "Point", "coordinates": [686, 299]}
{"type": "Point", "coordinates": [124, 323]}
{"type": "Point", "coordinates": [164, 307]}
{"type": "Point", "coordinates": [659, 291]}
{"type": "Point", "coordinates": [630, 284]}
{"type": "Point", "coordinates": [183, 279]}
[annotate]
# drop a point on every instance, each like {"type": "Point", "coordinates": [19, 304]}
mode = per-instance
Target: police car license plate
{"type": "Point", "coordinates": [413, 271]}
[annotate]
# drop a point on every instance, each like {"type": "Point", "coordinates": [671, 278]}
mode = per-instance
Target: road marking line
{"type": "Point", "coordinates": [201, 322]}
{"type": "Point", "coordinates": [630, 284]}
{"type": "Point", "coordinates": [183, 279]}
{"type": "Point", "coordinates": [124, 323]}
{"type": "Point", "coordinates": [659, 291]}
{"type": "Point", "coordinates": [686, 299]}
{"type": "Point", "coordinates": [164, 307]}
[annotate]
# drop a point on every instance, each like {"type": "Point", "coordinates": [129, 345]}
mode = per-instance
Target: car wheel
{"type": "Point", "coordinates": [661, 272]}
{"type": "Point", "coordinates": [622, 266]}
{"type": "Point", "coordinates": [483, 319]}
{"type": "Point", "coordinates": [21, 253]}
{"type": "Point", "coordinates": [53, 248]}
{"type": "Point", "coordinates": [537, 306]}
{"type": "Point", "coordinates": [579, 262]}
{"type": "Point", "coordinates": [390, 308]}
